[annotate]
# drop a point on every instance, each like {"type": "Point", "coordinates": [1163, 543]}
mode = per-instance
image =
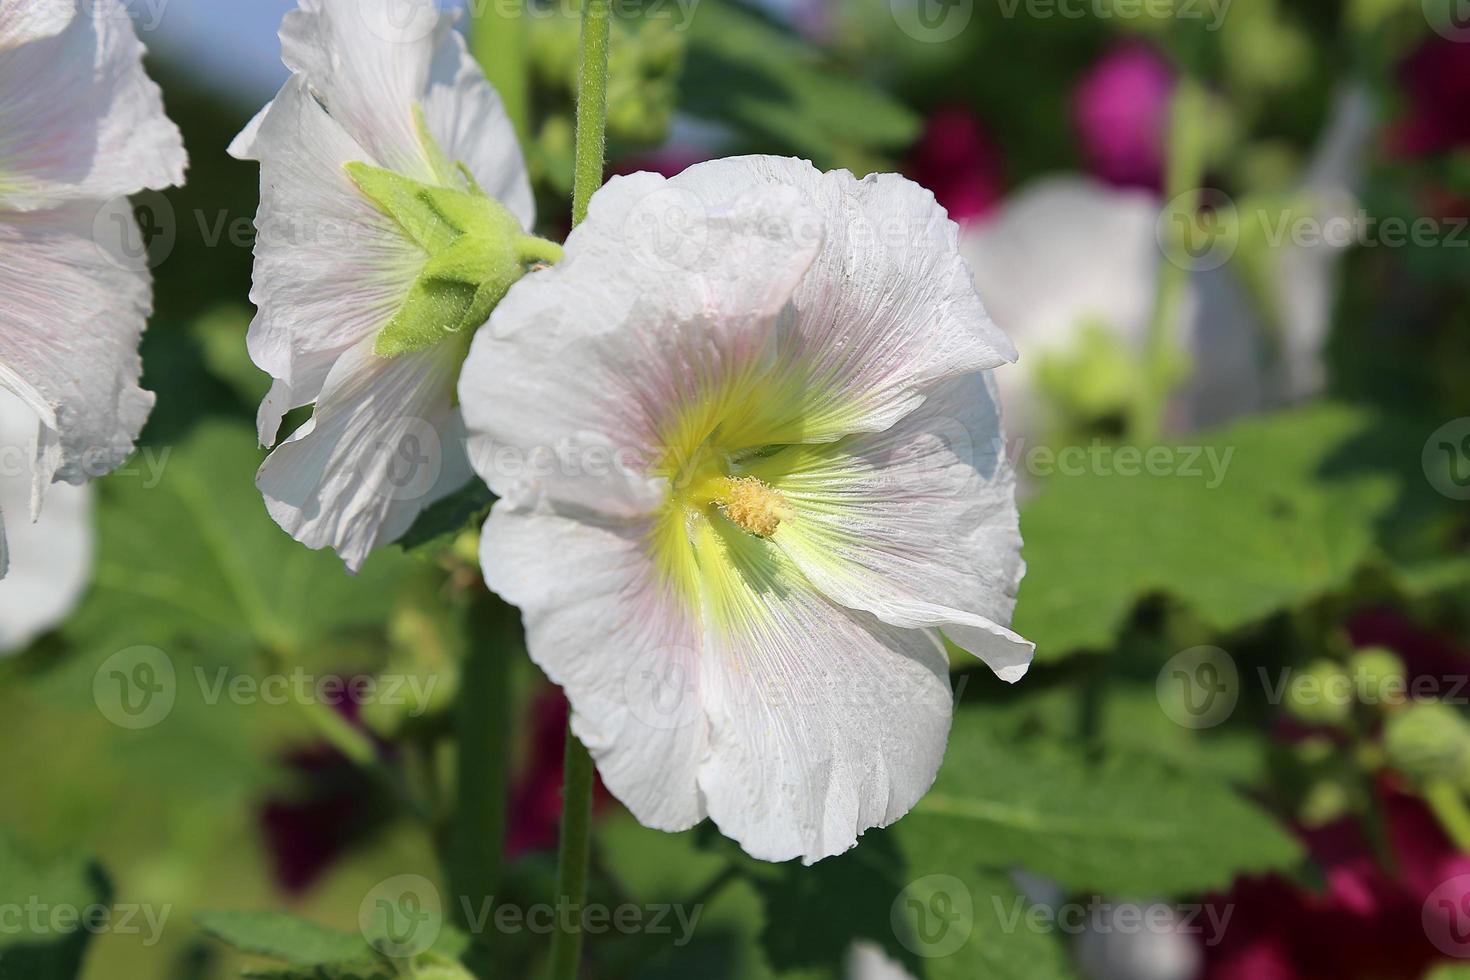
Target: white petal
{"type": "Point", "coordinates": [383, 443]}
{"type": "Point", "coordinates": [600, 625]}
{"type": "Point", "coordinates": [796, 727]}
{"type": "Point", "coordinates": [76, 301]}
{"type": "Point", "coordinates": [330, 269]}
{"type": "Point", "coordinates": [82, 119]}
{"type": "Point", "coordinates": [50, 559]}
{"type": "Point", "coordinates": [466, 116]}
{"type": "Point", "coordinates": [33, 20]}
{"type": "Point", "coordinates": [601, 349]}
{"type": "Point", "coordinates": [369, 61]}
{"type": "Point", "coordinates": [888, 308]}
{"type": "Point", "coordinates": [824, 722]}
{"type": "Point", "coordinates": [916, 524]}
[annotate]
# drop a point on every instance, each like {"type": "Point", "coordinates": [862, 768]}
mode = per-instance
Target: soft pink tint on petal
{"type": "Point", "coordinates": [82, 119]}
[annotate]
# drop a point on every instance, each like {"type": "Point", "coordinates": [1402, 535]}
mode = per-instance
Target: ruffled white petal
{"type": "Point", "coordinates": [795, 726]}
{"type": "Point", "coordinates": [824, 722]}
{"type": "Point", "coordinates": [53, 555]}
{"type": "Point", "coordinates": [466, 116]}
{"type": "Point", "coordinates": [384, 443]}
{"type": "Point", "coordinates": [600, 624]}
{"type": "Point", "coordinates": [81, 119]}
{"type": "Point", "coordinates": [889, 308]}
{"type": "Point", "coordinates": [595, 355]}
{"type": "Point", "coordinates": [916, 524]}
{"type": "Point", "coordinates": [368, 62]}
{"type": "Point", "coordinates": [330, 268]}
{"type": "Point", "coordinates": [77, 296]}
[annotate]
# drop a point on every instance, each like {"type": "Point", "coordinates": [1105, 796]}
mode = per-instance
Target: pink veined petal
{"type": "Point", "coordinates": [594, 356]}
{"type": "Point", "coordinates": [77, 299]}
{"type": "Point", "coordinates": [330, 269]}
{"type": "Point", "coordinates": [916, 524]}
{"type": "Point", "coordinates": [369, 61]}
{"type": "Point", "coordinates": [383, 443]}
{"type": "Point", "coordinates": [82, 119]}
{"type": "Point", "coordinates": [888, 308]}
{"type": "Point", "coordinates": [798, 728]}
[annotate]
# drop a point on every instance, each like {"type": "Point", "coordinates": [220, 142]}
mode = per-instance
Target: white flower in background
{"type": "Point", "coordinates": [1103, 243]}
{"type": "Point", "coordinates": [81, 127]}
{"type": "Point", "coordinates": [1068, 263]}
{"type": "Point", "coordinates": [750, 466]}
{"type": "Point", "coordinates": [51, 558]}
{"type": "Point", "coordinates": [393, 198]}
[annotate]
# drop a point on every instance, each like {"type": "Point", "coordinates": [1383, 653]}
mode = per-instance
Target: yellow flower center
{"type": "Point", "coordinates": [753, 506]}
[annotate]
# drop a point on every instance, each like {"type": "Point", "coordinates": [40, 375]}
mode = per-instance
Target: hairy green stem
{"type": "Point", "coordinates": [576, 815]}
{"type": "Point", "coordinates": [482, 723]}
{"type": "Point", "coordinates": [498, 41]}
{"type": "Point", "coordinates": [591, 107]}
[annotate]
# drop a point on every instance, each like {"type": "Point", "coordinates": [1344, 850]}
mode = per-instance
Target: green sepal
{"type": "Point", "coordinates": [476, 251]}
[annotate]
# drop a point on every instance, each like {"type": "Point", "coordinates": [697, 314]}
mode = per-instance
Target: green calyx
{"type": "Point", "coordinates": [476, 251]}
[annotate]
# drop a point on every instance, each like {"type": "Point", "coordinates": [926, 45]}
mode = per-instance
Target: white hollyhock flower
{"type": "Point", "coordinates": [750, 467]}
{"type": "Point", "coordinates": [391, 187]}
{"type": "Point", "coordinates": [1101, 242]}
{"type": "Point", "coordinates": [81, 127]}
{"type": "Point", "coordinates": [1104, 243]}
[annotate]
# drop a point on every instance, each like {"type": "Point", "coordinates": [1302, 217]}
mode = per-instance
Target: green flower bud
{"type": "Point", "coordinates": [1379, 676]}
{"type": "Point", "coordinates": [1320, 694]}
{"type": "Point", "coordinates": [1429, 741]}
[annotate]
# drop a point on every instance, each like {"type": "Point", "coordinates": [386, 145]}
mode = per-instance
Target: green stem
{"type": "Point", "coordinates": [1185, 172]}
{"type": "Point", "coordinates": [572, 859]}
{"type": "Point", "coordinates": [1450, 810]}
{"type": "Point", "coordinates": [591, 107]}
{"type": "Point", "coordinates": [498, 40]}
{"type": "Point", "coordinates": [534, 249]}
{"type": "Point", "coordinates": [482, 722]}
{"type": "Point", "coordinates": [576, 815]}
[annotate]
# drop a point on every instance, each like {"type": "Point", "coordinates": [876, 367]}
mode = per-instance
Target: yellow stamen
{"type": "Point", "coordinates": [753, 506]}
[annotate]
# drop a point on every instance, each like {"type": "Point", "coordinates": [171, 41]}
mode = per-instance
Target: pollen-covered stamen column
{"type": "Point", "coordinates": [576, 814]}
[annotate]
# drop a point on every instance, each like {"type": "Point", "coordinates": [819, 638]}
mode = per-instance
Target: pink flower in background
{"type": "Point", "coordinates": [1120, 109]}
{"type": "Point", "coordinates": [956, 160]}
{"type": "Point", "coordinates": [535, 795]}
{"type": "Point", "coordinates": [1436, 84]}
{"type": "Point", "coordinates": [1365, 923]}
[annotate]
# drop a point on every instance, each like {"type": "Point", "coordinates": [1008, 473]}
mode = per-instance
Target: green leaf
{"type": "Point", "coordinates": [285, 937]}
{"type": "Point", "coordinates": [187, 552]}
{"type": "Point", "coordinates": [744, 72]}
{"type": "Point", "coordinates": [1266, 526]}
{"type": "Point", "coordinates": [1122, 825]}
{"type": "Point", "coordinates": [441, 522]}
{"type": "Point", "coordinates": [46, 939]}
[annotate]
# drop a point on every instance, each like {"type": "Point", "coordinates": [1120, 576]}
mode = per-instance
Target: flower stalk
{"type": "Point", "coordinates": [576, 818]}
{"type": "Point", "coordinates": [1184, 172]}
